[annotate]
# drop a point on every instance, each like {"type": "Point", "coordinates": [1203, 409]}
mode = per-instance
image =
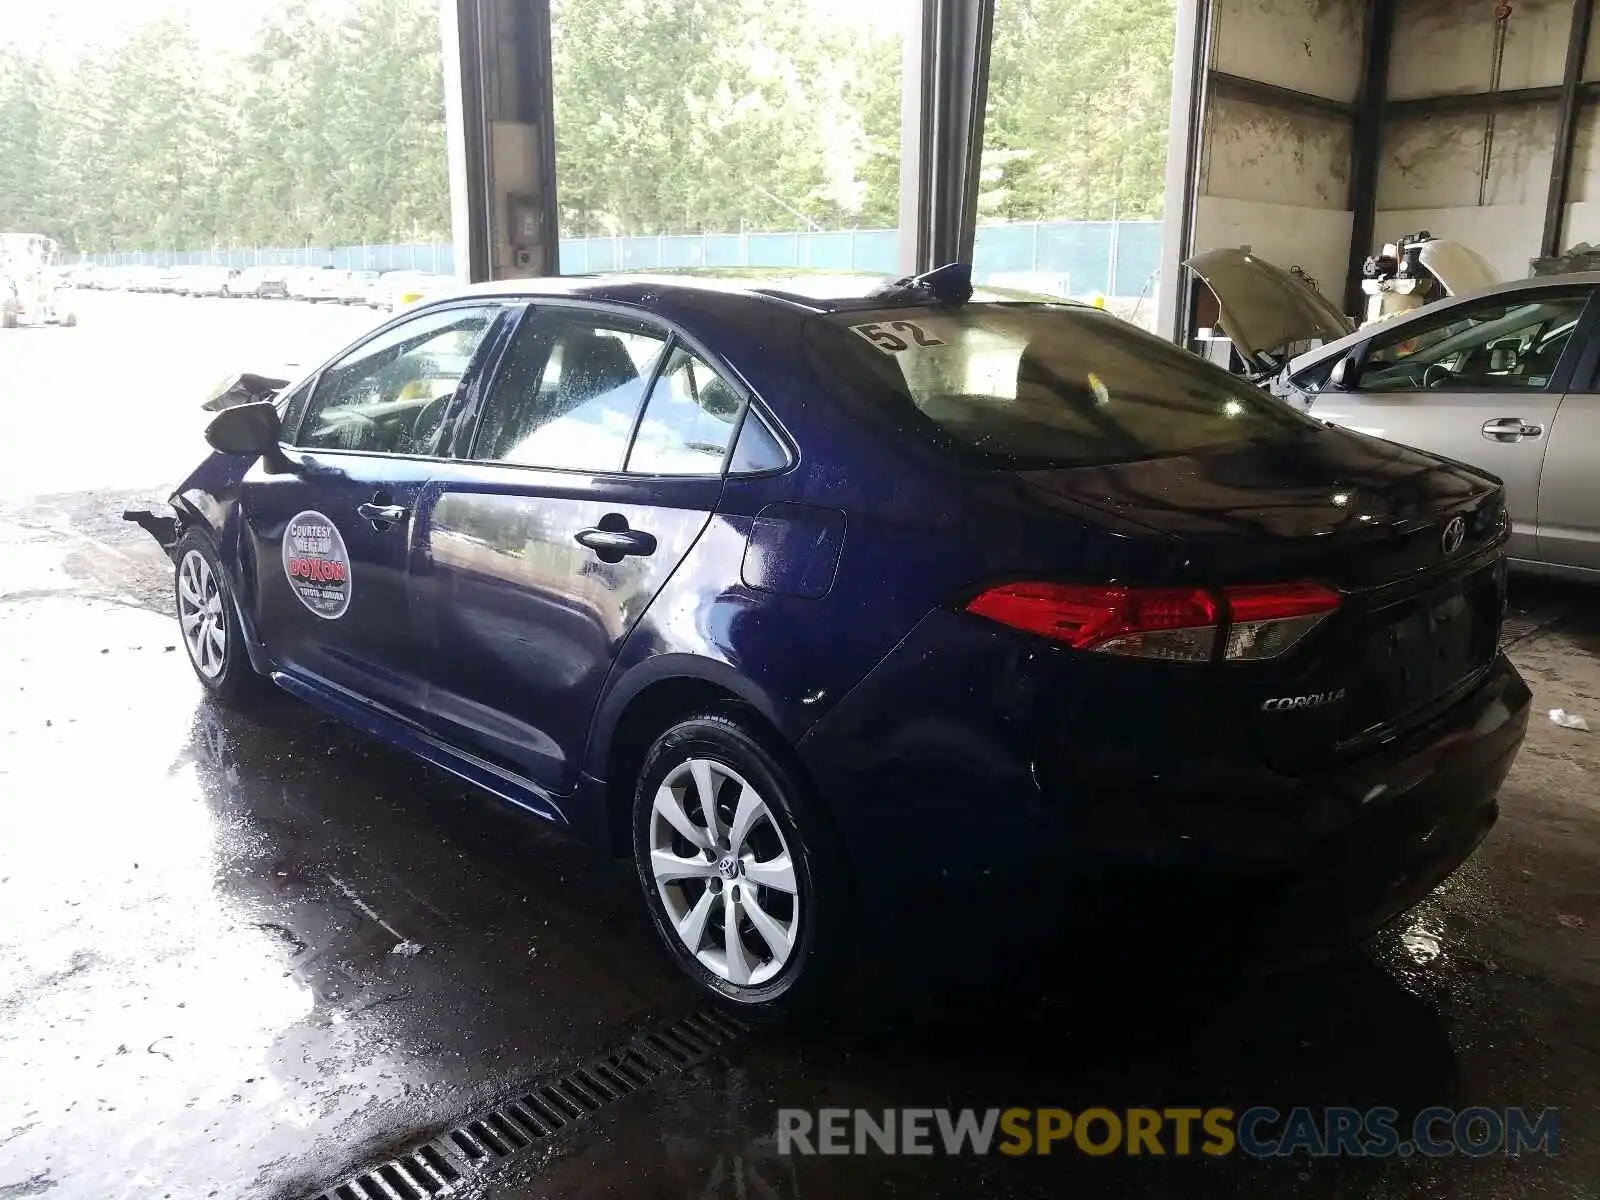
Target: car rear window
{"type": "Point", "coordinates": [1022, 385]}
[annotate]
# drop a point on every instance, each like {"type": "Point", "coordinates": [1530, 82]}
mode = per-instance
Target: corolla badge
{"type": "Point", "coordinates": [1455, 532]}
{"type": "Point", "coordinates": [1310, 700]}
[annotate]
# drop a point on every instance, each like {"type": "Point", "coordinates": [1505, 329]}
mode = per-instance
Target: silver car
{"type": "Point", "coordinates": [1506, 378]}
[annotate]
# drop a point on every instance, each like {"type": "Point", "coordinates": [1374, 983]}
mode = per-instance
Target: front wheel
{"type": "Point", "coordinates": [739, 868]}
{"type": "Point", "coordinates": [208, 624]}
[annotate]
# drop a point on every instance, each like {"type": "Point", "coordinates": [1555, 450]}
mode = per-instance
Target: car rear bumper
{"type": "Point", "coordinates": [1433, 800]}
{"type": "Point", "coordinates": [944, 790]}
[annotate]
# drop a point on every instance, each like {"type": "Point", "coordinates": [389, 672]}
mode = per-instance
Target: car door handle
{"type": "Point", "coordinates": [612, 545]}
{"type": "Point", "coordinates": [382, 514]}
{"type": "Point", "coordinates": [1510, 429]}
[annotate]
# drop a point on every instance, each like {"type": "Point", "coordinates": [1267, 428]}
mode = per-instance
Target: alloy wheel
{"type": "Point", "coordinates": [205, 632]}
{"type": "Point", "coordinates": [724, 873]}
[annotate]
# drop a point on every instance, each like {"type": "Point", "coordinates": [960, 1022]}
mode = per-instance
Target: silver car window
{"type": "Point", "coordinates": [1512, 343]}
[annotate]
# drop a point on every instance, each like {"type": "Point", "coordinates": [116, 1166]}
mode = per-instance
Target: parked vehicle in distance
{"type": "Point", "coordinates": [326, 285]}
{"type": "Point", "coordinates": [863, 610]}
{"type": "Point", "coordinates": [358, 287]}
{"type": "Point", "coordinates": [304, 283]}
{"type": "Point", "coordinates": [397, 289]}
{"type": "Point", "coordinates": [260, 283]}
{"type": "Point", "coordinates": [1506, 378]}
{"type": "Point", "coordinates": [141, 278]}
{"type": "Point", "coordinates": [208, 281]}
{"type": "Point", "coordinates": [79, 275]}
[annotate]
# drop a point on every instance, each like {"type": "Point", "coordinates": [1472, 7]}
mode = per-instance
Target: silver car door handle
{"type": "Point", "coordinates": [1510, 429]}
{"type": "Point", "coordinates": [616, 542]}
{"type": "Point", "coordinates": [387, 513]}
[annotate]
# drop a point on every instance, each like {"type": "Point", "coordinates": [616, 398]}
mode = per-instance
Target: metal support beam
{"type": "Point", "coordinates": [1224, 84]}
{"type": "Point", "coordinates": [1555, 209]}
{"type": "Point", "coordinates": [1365, 144]}
{"type": "Point", "coordinates": [945, 92]}
{"type": "Point", "coordinates": [501, 133]}
{"type": "Point", "coordinates": [1424, 106]}
{"type": "Point", "coordinates": [464, 127]}
{"type": "Point", "coordinates": [1190, 93]}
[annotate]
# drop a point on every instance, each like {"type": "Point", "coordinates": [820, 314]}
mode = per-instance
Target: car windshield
{"type": "Point", "coordinates": [1020, 385]}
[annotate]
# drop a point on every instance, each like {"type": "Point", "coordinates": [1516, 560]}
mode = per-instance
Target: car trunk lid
{"type": "Point", "coordinates": [1412, 543]}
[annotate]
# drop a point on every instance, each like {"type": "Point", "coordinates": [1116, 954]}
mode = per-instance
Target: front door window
{"type": "Point", "coordinates": [390, 395]}
{"type": "Point", "coordinates": [1504, 343]}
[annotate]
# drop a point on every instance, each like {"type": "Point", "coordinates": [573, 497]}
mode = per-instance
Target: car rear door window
{"type": "Point", "coordinates": [390, 394]}
{"type": "Point", "coordinates": [1503, 343]}
{"type": "Point", "coordinates": [568, 393]}
{"type": "Point", "coordinates": [688, 421]}
{"type": "Point", "coordinates": [758, 448]}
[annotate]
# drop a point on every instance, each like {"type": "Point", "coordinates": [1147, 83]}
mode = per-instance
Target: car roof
{"type": "Point", "coordinates": [818, 291]}
{"type": "Point", "coordinates": [1510, 288]}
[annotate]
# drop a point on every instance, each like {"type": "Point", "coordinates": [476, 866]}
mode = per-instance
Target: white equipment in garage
{"type": "Point", "coordinates": [1416, 268]}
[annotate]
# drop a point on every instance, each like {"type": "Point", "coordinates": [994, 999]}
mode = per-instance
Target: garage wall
{"type": "Point", "coordinates": [1279, 183]}
{"type": "Point", "coordinates": [1461, 133]}
{"type": "Point", "coordinates": [1273, 177]}
{"type": "Point", "coordinates": [1446, 47]}
{"type": "Point", "coordinates": [1299, 44]}
{"type": "Point", "coordinates": [1432, 168]}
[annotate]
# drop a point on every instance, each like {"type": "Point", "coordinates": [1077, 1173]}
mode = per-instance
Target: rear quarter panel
{"type": "Point", "coordinates": [789, 651]}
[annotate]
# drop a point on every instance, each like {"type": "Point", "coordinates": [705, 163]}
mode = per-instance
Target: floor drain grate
{"type": "Point", "coordinates": [436, 1167]}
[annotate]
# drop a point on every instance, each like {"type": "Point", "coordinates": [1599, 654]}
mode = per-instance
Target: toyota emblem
{"type": "Point", "coordinates": [1454, 534]}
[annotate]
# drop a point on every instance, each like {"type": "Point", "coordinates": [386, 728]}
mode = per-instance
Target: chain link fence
{"type": "Point", "coordinates": [1115, 259]}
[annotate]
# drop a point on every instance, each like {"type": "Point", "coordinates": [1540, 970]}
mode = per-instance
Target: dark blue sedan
{"type": "Point", "coordinates": [828, 600]}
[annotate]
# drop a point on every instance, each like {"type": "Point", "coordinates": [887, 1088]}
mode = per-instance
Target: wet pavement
{"type": "Point", "coordinates": [207, 986]}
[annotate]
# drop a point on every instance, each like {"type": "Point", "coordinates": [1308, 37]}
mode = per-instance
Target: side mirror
{"type": "Point", "coordinates": [1343, 376]}
{"type": "Point", "coordinates": [244, 389]}
{"type": "Point", "coordinates": [249, 429]}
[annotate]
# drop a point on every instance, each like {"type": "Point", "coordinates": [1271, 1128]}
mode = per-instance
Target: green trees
{"type": "Point", "coordinates": [328, 129]}
{"type": "Point", "coordinates": [1078, 109]}
{"type": "Point", "coordinates": [672, 116]}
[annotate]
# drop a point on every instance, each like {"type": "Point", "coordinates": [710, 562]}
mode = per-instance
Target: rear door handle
{"type": "Point", "coordinates": [612, 545]}
{"type": "Point", "coordinates": [382, 514]}
{"type": "Point", "coordinates": [1510, 429]}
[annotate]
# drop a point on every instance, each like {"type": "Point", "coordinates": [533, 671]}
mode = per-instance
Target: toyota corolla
{"type": "Point", "coordinates": [825, 599]}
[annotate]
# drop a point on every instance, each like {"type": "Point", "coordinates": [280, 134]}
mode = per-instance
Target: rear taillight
{"type": "Point", "coordinates": [1265, 620]}
{"type": "Point", "coordinates": [1171, 623]}
{"type": "Point", "coordinates": [1176, 624]}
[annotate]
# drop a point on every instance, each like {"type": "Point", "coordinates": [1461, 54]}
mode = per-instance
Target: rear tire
{"type": "Point", "coordinates": [770, 864]}
{"type": "Point", "coordinates": [209, 626]}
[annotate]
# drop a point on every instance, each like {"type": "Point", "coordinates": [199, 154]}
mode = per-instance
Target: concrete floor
{"type": "Point", "coordinates": [200, 993]}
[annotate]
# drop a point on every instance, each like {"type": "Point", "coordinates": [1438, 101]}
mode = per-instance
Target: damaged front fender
{"type": "Point", "coordinates": [164, 528]}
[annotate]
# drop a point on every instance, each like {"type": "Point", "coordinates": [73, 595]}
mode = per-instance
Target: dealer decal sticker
{"type": "Point", "coordinates": [318, 567]}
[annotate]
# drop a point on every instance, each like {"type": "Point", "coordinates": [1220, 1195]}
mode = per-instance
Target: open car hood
{"type": "Point", "coordinates": [1461, 271]}
{"type": "Point", "coordinates": [1265, 309]}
